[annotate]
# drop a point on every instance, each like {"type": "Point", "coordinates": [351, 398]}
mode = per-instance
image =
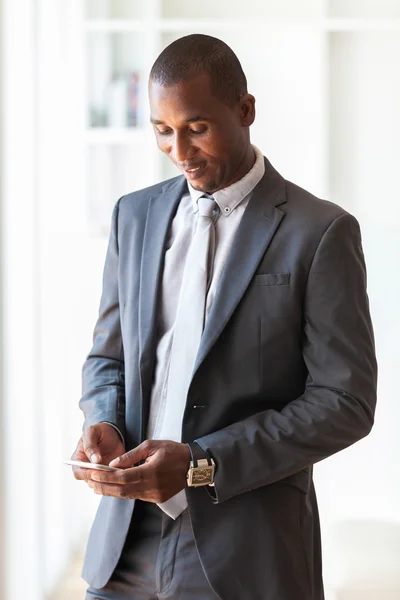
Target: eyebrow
{"type": "Point", "coordinates": [190, 120]}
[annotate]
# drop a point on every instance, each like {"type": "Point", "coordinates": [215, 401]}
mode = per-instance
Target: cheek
{"type": "Point", "coordinates": [223, 147]}
{"type": "Point", "coordinates": [162, 144]}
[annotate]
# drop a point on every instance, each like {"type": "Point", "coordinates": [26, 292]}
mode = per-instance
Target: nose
{"type": "Point", "coordinates": [182, 148]}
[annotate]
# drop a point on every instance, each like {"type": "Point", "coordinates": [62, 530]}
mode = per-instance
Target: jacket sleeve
{"type": "Point", "coordinates": [103, 373]}
{"type": "Point", "coordinates": [338, 403]}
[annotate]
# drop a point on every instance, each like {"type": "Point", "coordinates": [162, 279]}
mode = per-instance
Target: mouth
{"type": "Point", "coordinates": [195, 172]}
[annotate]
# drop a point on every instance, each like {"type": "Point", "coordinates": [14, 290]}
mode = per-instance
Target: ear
{"type": "Point", "coordinates": [247, 110]}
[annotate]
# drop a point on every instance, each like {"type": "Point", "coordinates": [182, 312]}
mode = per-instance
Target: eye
{"type": "Point", "coordinates": [163, 131]}
{"type": "Point", "coordinates": [198, 131]}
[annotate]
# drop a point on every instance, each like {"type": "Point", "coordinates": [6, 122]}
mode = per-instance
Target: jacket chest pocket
{"type": "Point", "coordinates": [271, 279]}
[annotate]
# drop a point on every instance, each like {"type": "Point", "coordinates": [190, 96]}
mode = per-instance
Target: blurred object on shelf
{"type": "Point", "coordinates": [122, 103]}
{"type": "Point", "coordinates": [117, 102]}
{"type": "Point", "coordinates": [133, 99]}
{"type": "Point", "coordinates": [97, 117]}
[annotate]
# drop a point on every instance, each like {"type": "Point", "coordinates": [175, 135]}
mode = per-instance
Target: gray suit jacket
{"type": "Point", "coordinates": [285, 376]}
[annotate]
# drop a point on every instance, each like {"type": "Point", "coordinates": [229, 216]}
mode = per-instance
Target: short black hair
{"type": "Point", "coordinates": [199, 54]}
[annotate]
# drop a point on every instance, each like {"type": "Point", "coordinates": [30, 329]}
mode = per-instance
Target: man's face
{"type": "Point", "coordinates": [205, 138]}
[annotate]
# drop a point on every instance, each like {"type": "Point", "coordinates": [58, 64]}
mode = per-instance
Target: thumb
{"type": "Point", "coordinates": [90, 444]}
{"type": "Point", "coordinates": [129, 459]}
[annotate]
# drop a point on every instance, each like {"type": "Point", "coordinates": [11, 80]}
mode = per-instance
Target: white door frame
{"type": "Point", "coordinates": [20, 304]}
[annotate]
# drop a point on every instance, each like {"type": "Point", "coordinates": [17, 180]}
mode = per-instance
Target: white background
{"type": "Point", "coordinates": [328, 98]}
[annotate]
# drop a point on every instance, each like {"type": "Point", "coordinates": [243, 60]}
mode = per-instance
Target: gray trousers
{"type": "Point", "coordinates": [159, 561]}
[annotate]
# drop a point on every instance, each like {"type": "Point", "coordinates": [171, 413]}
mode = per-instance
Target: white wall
{"type": "Point", "coordinates": [21, 383]}
{"type": "Point", "coordinates": [359, 490]}
{"type": "Point", "coordinates": [2, 449]}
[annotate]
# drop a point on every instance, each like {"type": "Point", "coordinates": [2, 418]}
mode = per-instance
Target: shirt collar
{"type": "Point", "coordinates": [230, 197]}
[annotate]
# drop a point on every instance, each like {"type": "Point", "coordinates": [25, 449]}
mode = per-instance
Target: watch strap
{"type": "Point", "coordinates": [197, 453]}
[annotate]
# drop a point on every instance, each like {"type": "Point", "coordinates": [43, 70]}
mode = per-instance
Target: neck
{"type": "Point", "coordinates": [245, 165]}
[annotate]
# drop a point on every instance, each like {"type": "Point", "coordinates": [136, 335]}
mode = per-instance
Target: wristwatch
{"type": "Point", "coordinates": [202, 467]}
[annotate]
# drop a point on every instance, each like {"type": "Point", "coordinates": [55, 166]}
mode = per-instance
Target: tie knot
{"type": "Point", "coordinates": [207, 206]}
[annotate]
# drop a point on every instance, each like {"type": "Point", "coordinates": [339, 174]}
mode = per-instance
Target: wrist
{"type": "Point", "coordinates": [115, 428]}
{"type": "Point", "coordinates": [187, 455]}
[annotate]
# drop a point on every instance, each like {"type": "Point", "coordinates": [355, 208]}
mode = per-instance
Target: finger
{"type": "Point", "coordinates": [107, 489]}
{"type": "Point", "coordinates": [82, 474]}
{"type": "Point", "coordinates": [79, 472]}
{"type": "Point", "coordinates": [90, 439]}
{"type": "Point", "coordinates": [122, 476]}
{"type": "Point", "coordinates": [79, 454]}
{"type": "Point", "coordinates": [132, 457]}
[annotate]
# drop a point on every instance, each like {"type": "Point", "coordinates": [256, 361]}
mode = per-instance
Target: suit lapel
{"type": "Point", "coordinates": [161, 210]}
{"type": "Point", "coordinates": [255, 232]}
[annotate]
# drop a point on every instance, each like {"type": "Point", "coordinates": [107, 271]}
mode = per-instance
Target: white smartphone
{"type": "Point", "coordinates": [88, 465]}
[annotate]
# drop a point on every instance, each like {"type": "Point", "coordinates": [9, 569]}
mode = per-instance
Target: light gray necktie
{"type": "Point", "coordinates": [188, 329]}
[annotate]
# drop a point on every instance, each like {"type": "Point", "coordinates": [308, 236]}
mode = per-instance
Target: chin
{"type": "Point", "coordinates": [200, 187]}
{"type": "Point", "coordinates": [210, 187]}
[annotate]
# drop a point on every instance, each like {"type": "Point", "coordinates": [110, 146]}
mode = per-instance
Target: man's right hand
{"type": "Point", "coordinates": [99, 443]}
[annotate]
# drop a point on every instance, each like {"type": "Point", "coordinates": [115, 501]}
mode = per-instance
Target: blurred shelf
{"type": "Point", "coordinates": [354, 24]}
{"type": "Point", "coordinates": [118, 25]}
{"type": "Point", "coordinates": [324, 24]}
{"type": "Point", "coordinates": [109, 135]}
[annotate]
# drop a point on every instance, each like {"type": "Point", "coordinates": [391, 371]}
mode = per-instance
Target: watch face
{"type": "Point", "coordinates": [202, 476]}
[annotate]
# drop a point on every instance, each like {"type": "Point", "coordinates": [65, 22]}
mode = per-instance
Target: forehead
{"type": "Point", "coordinates": [185, 100]}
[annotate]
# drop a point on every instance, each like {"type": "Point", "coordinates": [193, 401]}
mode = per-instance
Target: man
{"type": "Point", "coordinates": [283, 375]}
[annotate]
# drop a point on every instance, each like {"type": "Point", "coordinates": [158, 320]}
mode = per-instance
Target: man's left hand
{"type": "Point", "coordinates": [161, 476]}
